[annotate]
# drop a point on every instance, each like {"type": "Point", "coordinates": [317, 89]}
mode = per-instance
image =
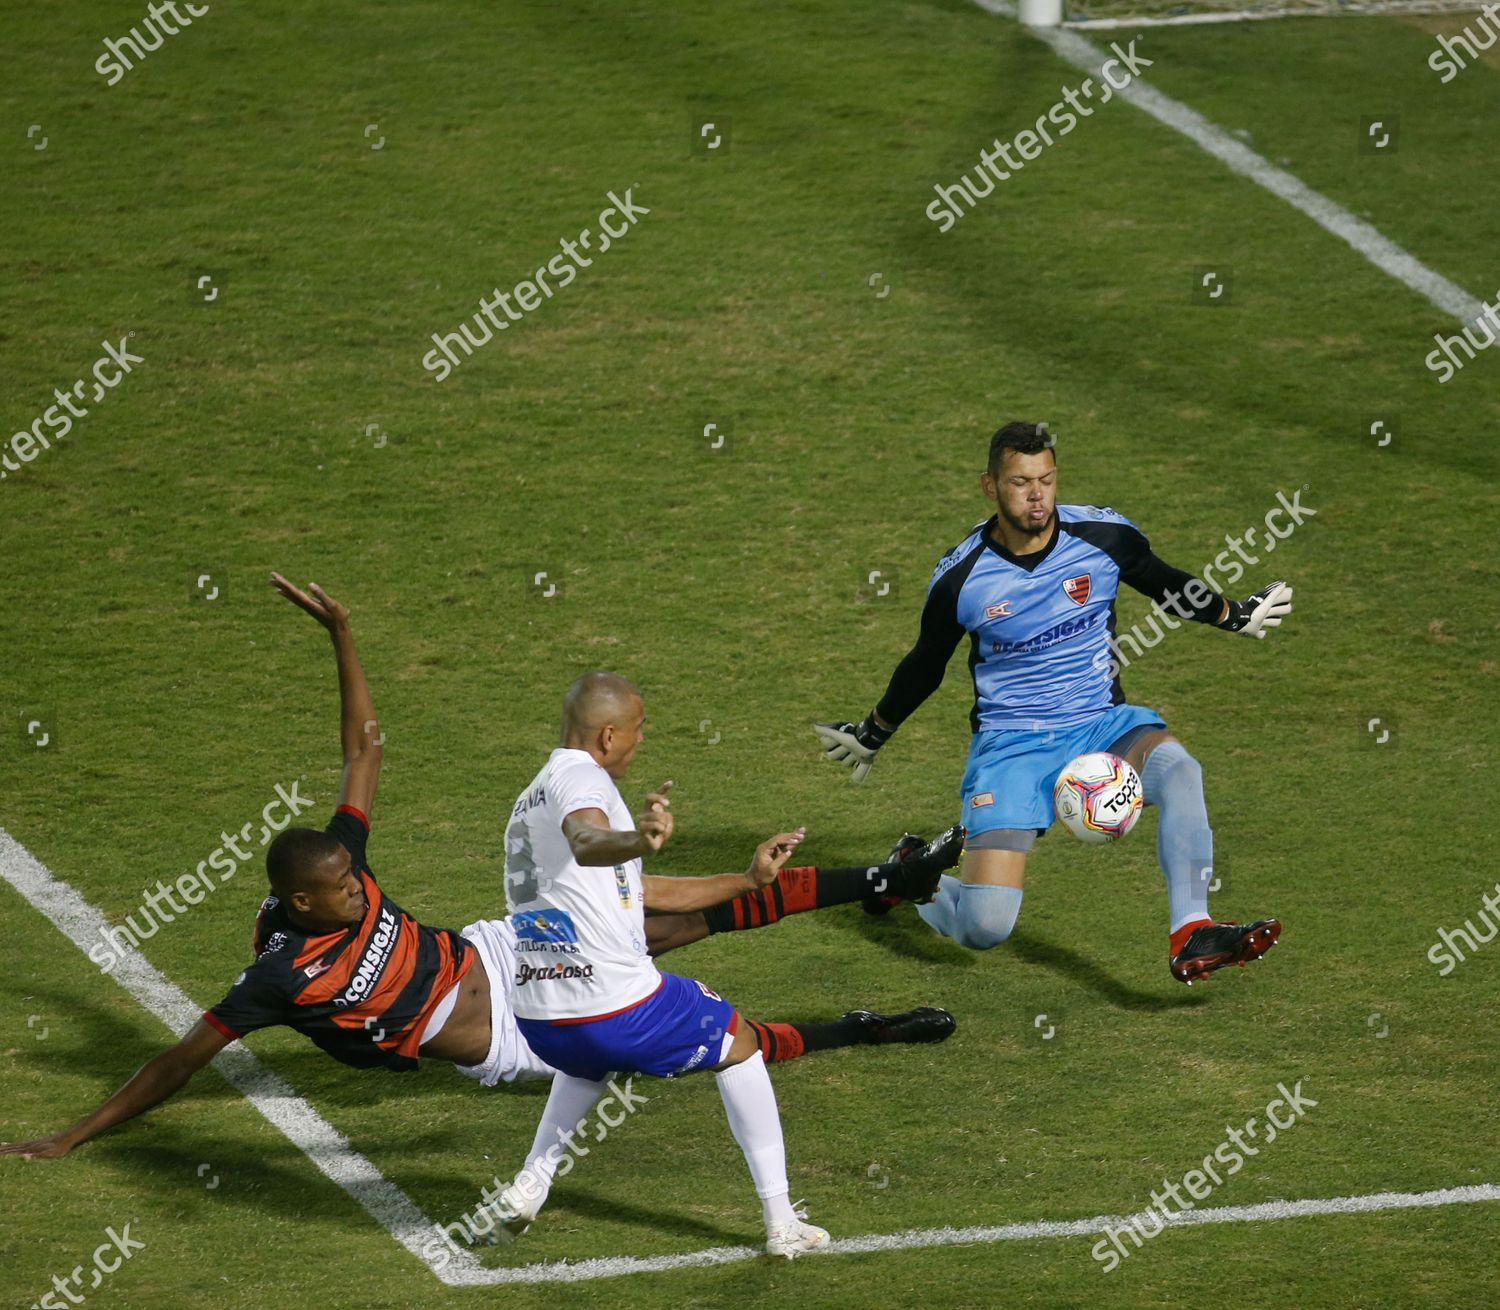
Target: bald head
{"type": "Point", "coordinates": [595, 700]}
{"type": "Point", "coordinates": [602, 714]}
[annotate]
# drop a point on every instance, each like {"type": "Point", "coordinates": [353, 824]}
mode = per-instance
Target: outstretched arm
{"type": "Point", "coordinates": [683, 895]}
{"type": "Point", "coordinates": [359, 732]}
{"type": "Point", "coordinates": [919, 674]}
{"type": "Point", "coordinates": [1192, 598]}
{"type": "Point", "coordinates": [150, 1085]}
{"type": "Point", "coordinates": [1172, 588]}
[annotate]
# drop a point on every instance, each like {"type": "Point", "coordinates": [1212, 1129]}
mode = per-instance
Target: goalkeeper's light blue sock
{"type": "Point", "coordinates": [975, 915]}
{"type": "Point", "coordinates": [1172, 780]}
{"type": "Point", "coordinates": [941, 912]}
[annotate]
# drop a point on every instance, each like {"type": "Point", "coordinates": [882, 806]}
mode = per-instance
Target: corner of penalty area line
{"type": "Point", "coordinates": [565, 1271]}
{"type": "Point", "coordinates": [330, 1152]}
{"type": "Point", "coordinates": [453, 1265]}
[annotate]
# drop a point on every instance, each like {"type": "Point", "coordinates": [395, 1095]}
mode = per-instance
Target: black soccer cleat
{"type": "Point", "coordinates": [1216, 944]}
{"type": "Point", "coordinates": [922, 866]}
{"type": "Point", "coordinates": [924, 1024]}
{"type": "Point", "coordinates": [909, 844]}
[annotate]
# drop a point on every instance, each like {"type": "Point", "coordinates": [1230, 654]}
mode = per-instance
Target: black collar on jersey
{"type": "Point", "coordinates": [1026, 562]}
{"type": "Point", "coordinates": [278, 920]}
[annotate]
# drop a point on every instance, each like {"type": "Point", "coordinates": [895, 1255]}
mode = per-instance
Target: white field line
{"type": "Point", "coordinates": [329, 1149]}
{"type": "Point", "coordinates": [1384, 253]}
{"type": "Point", "coordinates": [390, 1207]}
{"type": "Point", "coordinates": [614, 1266]}
{"type": "Point", "coordinates": [1398, 9]}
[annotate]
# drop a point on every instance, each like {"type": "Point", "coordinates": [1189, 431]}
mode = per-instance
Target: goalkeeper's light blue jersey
{"type": "Point", "coordinates": [1039, 626]}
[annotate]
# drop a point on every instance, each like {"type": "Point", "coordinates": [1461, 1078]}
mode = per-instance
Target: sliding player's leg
{"type": "Point", "coordinates": [914, 876]}
{"type": "Point", "coordinates": [788, 1041]}
{"type": "Point", "coordinates": [1172, 780]}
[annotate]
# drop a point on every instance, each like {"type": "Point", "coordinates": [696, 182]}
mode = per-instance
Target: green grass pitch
{"type": "Point", "coordinates": [288, 423]}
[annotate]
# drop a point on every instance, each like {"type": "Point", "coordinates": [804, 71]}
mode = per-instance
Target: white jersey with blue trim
{"type": "Point", "coordinates": [1040, 626]}
{"type": "Point", "coordinates": [580, 930]}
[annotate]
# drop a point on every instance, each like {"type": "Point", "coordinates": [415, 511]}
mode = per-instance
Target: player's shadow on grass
{"type": "Point", "coordinates": [324, 1082]}
{"type": "Point", "coordinates": [213, 1167]}
{"type": "Point", "coordinates": [1088, 972]}
{"type": "Point", "coordinates": [589, 1205]}
{"type": "Point", "coordinates": [106, 1047]}
{"type": "Point", "coordinates": [904, 934]}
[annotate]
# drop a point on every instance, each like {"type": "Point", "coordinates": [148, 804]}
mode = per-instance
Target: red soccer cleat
{"type": "Point", "coordinates": [1216, 944]}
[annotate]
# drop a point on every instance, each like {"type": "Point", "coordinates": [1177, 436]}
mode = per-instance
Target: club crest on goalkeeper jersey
{"type": "Point", "coordinates": [1040, 626]}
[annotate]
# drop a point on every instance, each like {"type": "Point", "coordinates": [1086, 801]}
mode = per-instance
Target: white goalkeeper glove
{"type": "Point", "coordinates": [1252, 616]}
{"type": "Point", "coordinates": [853, 744]}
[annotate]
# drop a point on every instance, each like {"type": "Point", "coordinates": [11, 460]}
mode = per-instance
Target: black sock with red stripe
{"type": "Point", "coordinates": [798, 890]}
{"type": "Point", "coordinates": [786, 1041]}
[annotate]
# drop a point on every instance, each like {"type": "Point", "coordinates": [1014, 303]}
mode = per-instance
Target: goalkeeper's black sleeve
{"type": "Point", "coordinates": [1181, 593]}
{"type": "Point", "coordinates": [1174, 590]}
{"type": "Point", "coordinates": [920, 672]}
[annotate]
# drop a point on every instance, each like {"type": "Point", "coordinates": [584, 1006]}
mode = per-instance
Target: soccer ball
{"type": "Point", "coordinates": [1097, 797]}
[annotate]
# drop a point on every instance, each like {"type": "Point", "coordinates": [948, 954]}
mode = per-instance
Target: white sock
{"type": "Point", "coordinates": [750, 1104]}
{"type": "Point", "coordinates": [777, 1210]}
{"type": "Point", "coordinates": [571, 1100]}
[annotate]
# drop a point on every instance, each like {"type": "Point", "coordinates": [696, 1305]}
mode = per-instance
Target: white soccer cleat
{"type": "Point", "coordinates": [789, 1240]}
{"type": "Point", "coordinates": [513, 1216]}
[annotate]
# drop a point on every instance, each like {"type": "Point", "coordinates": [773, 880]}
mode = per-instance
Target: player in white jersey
{"type": "Point", "coordinates": [589, 1000]}
{"type": "Point", "coordinates": [444, 996]}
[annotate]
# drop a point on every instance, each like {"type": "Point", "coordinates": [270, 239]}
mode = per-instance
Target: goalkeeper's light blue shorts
{"type": "Point", "coordinates": [1010, 775]}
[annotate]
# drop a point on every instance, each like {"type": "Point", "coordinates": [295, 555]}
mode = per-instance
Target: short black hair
{"type": "Point", "coordinates": [1024, 439]}
{"type": "Point", "coordinates": [294, 855]}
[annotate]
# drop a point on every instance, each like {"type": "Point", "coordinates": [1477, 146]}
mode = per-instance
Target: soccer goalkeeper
{"type": "Point", "coordinates": [1034, 588]}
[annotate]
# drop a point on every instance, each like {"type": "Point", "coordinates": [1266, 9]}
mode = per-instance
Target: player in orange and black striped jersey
{"type": "Point", "coordinates": [338, 960]}
{"type": "Point", "coordinates": [362, 990]}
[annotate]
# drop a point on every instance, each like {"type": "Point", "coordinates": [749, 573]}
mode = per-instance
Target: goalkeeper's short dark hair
{"type": "Point", "coordinates": [1023, 438]}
